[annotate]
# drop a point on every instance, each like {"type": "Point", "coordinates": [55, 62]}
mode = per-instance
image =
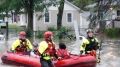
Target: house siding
{"type": "Point", "coordinates": [41, 25]}
{"type": "Point", "coordinates": [75, 17]}
{"type": "Point", "coordinates": [117, 24]}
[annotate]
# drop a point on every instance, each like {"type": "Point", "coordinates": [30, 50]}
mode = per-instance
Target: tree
{"type": "Point", "coordinates": [5, 8]}
{"type": "Point", "coordinates": [101, 11]}
{"type": "Point", "coordinates": [60, 14]}
{"type": "Point", "coordinates": [29, 7]}
{"type": "Point", "coordinates": [82, 3]}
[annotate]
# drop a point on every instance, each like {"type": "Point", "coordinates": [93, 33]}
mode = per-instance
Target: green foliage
{"type": "Point", "coordinates": [51, 29]}
{"type": "Point", "coordinates": [17, 5]}
{"type": "Point", "coordinates": [112, 32]}
{"type": "Point", "coordinates": [64, 33]}
{"type": "Point", "coordinates": [26, 6]}
{"type": "Point", "coordinates": [13, 28]}
{"type": "Point", "coordinates": [82, 3]}
{"type": "Point", "coordinates": [29, 33]}
{"type": "Point", "coordinates": [39, 34]}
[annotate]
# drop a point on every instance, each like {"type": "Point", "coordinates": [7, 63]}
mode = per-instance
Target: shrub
{"type": "Point", "coordinates": [51, 29]}
{"type": "Point", "coordinates": [29, 33]}
{"type": "Point", "coordinates": [39, 34]}
{"type": "Point", "coordinates": [64, 33]}
{"type": "Point", "coordinates": [112, 32]}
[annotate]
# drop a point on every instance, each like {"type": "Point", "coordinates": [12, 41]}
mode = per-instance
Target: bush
{"type": "Point", "coordinates": [29, 33]}
{"type": "Point", "coordinates": [51, 29]}
{"type": "Point", "coordinates": [39, 34]}
{"type": "Point", "coordinates": [112, 32]}
{"type": "Point", "coordinates": [13, 28]}
{"type": "Point", "coordinates": [64, 33]}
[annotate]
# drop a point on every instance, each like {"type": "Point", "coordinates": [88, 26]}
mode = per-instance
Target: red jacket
{"type": "Point", "coordinates": [63, 53]}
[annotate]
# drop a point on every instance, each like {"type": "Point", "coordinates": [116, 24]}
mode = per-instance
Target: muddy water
{"type": "Point", "coordinates": [110, 53]}
{"type": "Point", "coordinates": [4, 46]}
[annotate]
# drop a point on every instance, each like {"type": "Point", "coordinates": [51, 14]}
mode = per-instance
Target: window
{"type": "Point", "coordinates": [69, 17]}
{"type": "Point", "coordinates": [118, 12]}
{"type": "Point", "coordinates": [47, 17]}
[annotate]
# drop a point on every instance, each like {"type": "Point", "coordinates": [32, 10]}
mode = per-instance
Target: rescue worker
{"type": "Point", "coordinates": [47, 50]}
{"type": "Point", "coordinates": [93, 43]}
{"type": "Point", "coordinates": [83, 45]}
{"type": "Point", "coordinates": [62, 52]}
{"type": "Point", "coordinates": [22, 45]}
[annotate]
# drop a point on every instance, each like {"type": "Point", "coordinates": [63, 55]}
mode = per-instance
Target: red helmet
{"type": "Point", "coordinates": [22, 33]}
{"type": "Point", "coordinates": [48, 34]}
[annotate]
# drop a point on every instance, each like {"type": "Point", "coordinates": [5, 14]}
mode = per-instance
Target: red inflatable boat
{"type": "Point", "coordinates": [29, 61]}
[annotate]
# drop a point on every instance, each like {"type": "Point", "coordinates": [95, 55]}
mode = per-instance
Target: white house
{"type": "Point", "coordinates": [84, 22]}
{"type": "Point", "coordinates": [49, 19]}
{"type": "Point", "coordinates": [71, 13]}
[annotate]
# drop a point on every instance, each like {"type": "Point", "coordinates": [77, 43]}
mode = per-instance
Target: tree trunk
{"type": "Point", "coordinates": [100, 15]}
{"type": "Point", "coordinates": [102, 25]}
{"type": "Point", "coordinates": [30, 18]}
{"type": "Point", "coordinates": [60, 14]}
{"type": "Point", "coordinates": [113, 24]}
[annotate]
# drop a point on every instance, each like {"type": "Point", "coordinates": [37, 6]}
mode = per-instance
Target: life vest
{"type": "Point", "coordinates": [63, 53]}
{"type": "Point", "coordinates": [51, 49]}
{"type": "Point", "coordinates": [47, 49]}
{"type": "Point", "coordinates": [93, 43]}
{"type": "Point", "coordinates": [84, 43]}
{"type": "Point", "coordinates": [22, 47]}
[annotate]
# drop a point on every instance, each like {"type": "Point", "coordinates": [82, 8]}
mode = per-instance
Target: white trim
{"type": "Point", "coordinates": [49, 18]}
{"type": "Point", "coordinates": [71, 17]}
{"type": "Point", "coordinates": [81, 20]}
{"type": "Point", "coordinates": [72, 5]}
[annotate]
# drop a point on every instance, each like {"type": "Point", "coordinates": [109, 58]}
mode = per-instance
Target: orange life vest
{"type": "Point", "coordinates": [22, 47]}
{"type": "Point", "coordinates": [51, 49]}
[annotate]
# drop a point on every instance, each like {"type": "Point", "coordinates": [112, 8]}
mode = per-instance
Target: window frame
{"type": "Point", "coordinates": [118, 12]}
{"type": "Point", "coordinates": [71, 17]}
{"type": "Point", "coordinates": [45, 17]}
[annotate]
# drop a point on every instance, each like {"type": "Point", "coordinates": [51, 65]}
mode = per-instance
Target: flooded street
{"type": "Point", "coordinates": [110, 53]}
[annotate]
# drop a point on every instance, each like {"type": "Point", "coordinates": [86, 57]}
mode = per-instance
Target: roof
{"type": "Point", "coordinates": [85, 14]}
{"type": "Point", "coordinates": [73, 5]}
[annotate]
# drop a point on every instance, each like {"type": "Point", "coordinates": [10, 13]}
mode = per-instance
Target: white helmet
{"type": "Point", "coordinates": [90, 30]}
